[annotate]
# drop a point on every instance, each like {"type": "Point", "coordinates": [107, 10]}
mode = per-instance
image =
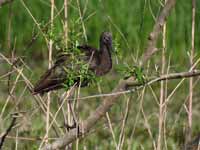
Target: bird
{"type": "Point", "coordinates": [194, 144]}
{"type": "Point", "coordinates": [99, 63]}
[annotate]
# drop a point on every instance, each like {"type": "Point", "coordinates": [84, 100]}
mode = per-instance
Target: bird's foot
{"type": "Point", "coordinates": [75, 125]}
{"type": "Point", "coordinates": [70, 127]}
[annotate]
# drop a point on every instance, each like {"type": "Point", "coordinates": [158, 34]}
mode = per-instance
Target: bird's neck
{"type": "Point", "coordinates": [105, 59]}
{"type": "Point", "coordinates": [105, 51]}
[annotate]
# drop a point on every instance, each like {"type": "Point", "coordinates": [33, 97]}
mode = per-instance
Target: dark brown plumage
{"type": "Point", "coordinates": [100, 63]}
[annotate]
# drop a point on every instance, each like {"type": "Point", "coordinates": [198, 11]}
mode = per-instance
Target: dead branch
{"type": "Point", "coordinates": [152, 40]}
{"type": "Point", "coordinates": [109, 101]}
{"type": "Point", "coordinates": [8, 130]}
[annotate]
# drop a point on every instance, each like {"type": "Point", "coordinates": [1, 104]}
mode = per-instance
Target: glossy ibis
{"type": "Point", "coordinates": [99, 62]}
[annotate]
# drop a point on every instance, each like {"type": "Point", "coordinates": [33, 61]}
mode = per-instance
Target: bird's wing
{"type": "Point", "coordinates": [49, 81]}
{"type": "Point", "coordinates": [55, 76]}
{"type": "Point", "coordinates": [61, 58]}
{"type": "Point", "coordinates": [87, 49]}
{"type": "Point", "coordinates": [91, 55]}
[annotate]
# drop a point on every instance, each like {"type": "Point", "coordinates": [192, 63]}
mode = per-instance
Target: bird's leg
{"type": "Point", "coordinates": [75, 120]}
{"type": "Point", "coordinates": [73, 117]}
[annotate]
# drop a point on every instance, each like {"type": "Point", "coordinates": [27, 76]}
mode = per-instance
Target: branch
{"type": "Point", "coordinates": [139, 85]}
{"type": "Point", "coordinates": [3, 2]}
{"type": "Point", "coordinates": [8, 130]}
{"type": "Point", "coordinates": [166, 77]}
{"type": "Point", "coordinates": [153, 37]}
{"type": "Point", "coordinates": [109, 101]}
{"type": "Point", "coordinates": [89, 122]}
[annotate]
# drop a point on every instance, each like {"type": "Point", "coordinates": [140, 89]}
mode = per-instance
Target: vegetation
{"type": "Point", "coordinates": [133, 122]}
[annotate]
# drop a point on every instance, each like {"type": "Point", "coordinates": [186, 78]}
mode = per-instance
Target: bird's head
{"type": "Point", "coordinates": [106, 39]}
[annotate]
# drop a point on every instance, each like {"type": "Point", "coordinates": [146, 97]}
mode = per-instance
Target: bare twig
{"type": "Point", "coordinates": [43, 29]}
{"type": "Point", "coordinates": [50, 64]}
{"type": "Point", "coordinates": [66, 21]}
{"type": "Point", "coordinates": [38, 99]}
{"type": "Point", "coordinates": [147, 125]}
{"type": "Point", "coordinates": [10, 95]}
{"type": "Point", "coordinates": [162, 92]}
{"type": "Point", "coordinates": [153, 37]}
{"type": "Point", "coordinates": [133, 83]}
{"type": "Point", "coordinates": [8, 130]}
{"type": "Point", "coordinates": [81, 19]}
{"type": "Point", "coordinates": [124, 120]}
{"type": "Point", "coordinates": [170, 76]}
{"type": "Point", "coordinates": [111, 129]}
{"type": "Point", "coordinates": [35, 21]}
{"type": "Point", "coordinates": [189, 130]}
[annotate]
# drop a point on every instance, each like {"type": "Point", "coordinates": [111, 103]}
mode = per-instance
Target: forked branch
{"type": "Point", "coordinates": [153, 37]}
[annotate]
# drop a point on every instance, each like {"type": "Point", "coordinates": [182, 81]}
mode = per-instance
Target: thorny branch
{"type": "Point", "coordinates": [109, 101]}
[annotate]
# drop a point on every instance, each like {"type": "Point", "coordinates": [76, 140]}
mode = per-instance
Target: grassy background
{"type": "Point", "coordinates": [130, 23]}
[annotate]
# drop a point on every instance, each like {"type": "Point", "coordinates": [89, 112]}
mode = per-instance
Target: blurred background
{"type": "Point", "coordinates": [130, 23]}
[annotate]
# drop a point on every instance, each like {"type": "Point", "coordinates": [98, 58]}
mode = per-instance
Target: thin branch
{"type": "Point", "coordinates": [50, 64]}
{"type": "Point", "coordinates": [29, 85]}
{"type": "Point", "coordinates": [111, 130]}
{"type": "Point", "coordinates": [133, 83]}
{"type": "Point", "coordinates": [171, 76]}
{"type": "Point", "coordinates": [43, 29]}
{"type": "Point", "coordinates": [162, 91]}
{"type": "Point", "coordinates": [191, 80]}
{"type": "Point", "coordinates": [81, 19]}
{"type": "Point", "coordinates": [153, 37]}
{"type": "Point", "coordinates": [66, 21]}
{"type": "Point", "coordinates": [8, 130]}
